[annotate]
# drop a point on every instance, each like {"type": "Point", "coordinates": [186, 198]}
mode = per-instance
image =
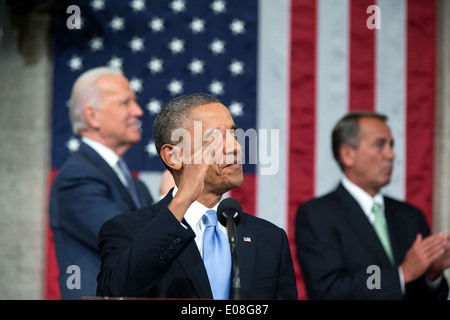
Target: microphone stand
{"type": "Point", "coordinates": [235, 292]}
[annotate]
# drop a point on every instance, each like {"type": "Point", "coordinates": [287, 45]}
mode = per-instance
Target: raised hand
{"type": "Point", "coordinates": [442, 262]}
{"type": "Point", "coordinates": [193, 172]}
{"type": "Point", "coordinates": [422, 254]}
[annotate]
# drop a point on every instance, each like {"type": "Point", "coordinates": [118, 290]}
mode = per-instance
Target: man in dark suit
{"type": "Point", "coordinates": [354, 243]}
{"type": "Point", "coordinates": [160, 251]}
{"type": "Point", "coordinates": [91, 187]}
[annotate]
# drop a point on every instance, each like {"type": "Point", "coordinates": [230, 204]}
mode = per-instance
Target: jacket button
{"type": "Point", "coordinates": [162, 256]}
{"type": "Point", "coordinates": [176, 240]}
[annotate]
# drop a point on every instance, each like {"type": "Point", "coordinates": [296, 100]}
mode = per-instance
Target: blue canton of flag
{"type": "Point", "coordinates": [165, 48]}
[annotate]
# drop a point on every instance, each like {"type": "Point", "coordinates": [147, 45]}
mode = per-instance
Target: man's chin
{"type": "Point", "coordinates": [239, 180]}
{"type": "Point", "coordinates": [133, 139]}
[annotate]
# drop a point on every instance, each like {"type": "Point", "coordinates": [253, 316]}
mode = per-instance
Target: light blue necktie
{"type": "Point", "coordinates": [216, 257]}
{"type": "Point", "coordinates": [130, 183]}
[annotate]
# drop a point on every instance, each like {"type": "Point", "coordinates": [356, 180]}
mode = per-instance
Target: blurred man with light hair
{"type": "Point", "coordinates": [94, 184]}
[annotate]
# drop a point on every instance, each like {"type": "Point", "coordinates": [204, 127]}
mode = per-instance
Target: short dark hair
{"type": "Point", "coordinates": [175, 114]}
{"type": "Point", "coordinates": [347, 131]}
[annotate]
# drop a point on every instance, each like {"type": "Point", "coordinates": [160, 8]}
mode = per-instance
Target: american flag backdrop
{"type": "Point", "coordinates": [296, 66]}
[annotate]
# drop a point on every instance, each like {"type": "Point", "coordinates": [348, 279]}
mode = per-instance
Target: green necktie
{"type": "Point", "coordinates": [381, 228]}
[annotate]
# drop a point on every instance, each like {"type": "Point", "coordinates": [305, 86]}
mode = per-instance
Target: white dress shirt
{"type": "Point", "coordinates": [364, 199]}
{"type": "Point", "coordinates": [193, 217]}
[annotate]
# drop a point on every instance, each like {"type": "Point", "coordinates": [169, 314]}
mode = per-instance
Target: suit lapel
{"type": "Point", "coordinates": [190, 260]}
{"type": "Point", "coordinates": [192, 264]}
{"type": "Point", "coordinates": [92, 156]}
{"type": "Point", "coordinates": [245, 254]}
{"type": "Point", "coordinates": [360, 224]}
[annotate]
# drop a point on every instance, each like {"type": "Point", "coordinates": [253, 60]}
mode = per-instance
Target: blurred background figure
{"type": "Point", "coordinates": [342, 235]}
{"type": "Point", "coordinates": [95, 183]}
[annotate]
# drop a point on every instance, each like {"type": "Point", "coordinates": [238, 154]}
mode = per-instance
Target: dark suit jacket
{"type": "Point", "coordinates": [148, 253]}
{"type": "Point", "coordinates": [85, 193]}
{"type": "Point", "coordinates": [336, 244]}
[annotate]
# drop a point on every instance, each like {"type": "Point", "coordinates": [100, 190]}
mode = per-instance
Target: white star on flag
{"type": "Point", "coordinates": [117, 23]}
{"type": "Point", "coordinates": [156, 24]}
{"type": "Point", "coordinates": [96, 44]}
{"type": "Point", "coordinates": [175, 87]}
{"type": "Point", "coordinates": [176, 46]}
{"type": "Point", "coordinates": [136, 84]}
{"type": "Point", "coordinates": [98, 5]}
{"type": "Point", "coordinates": [236, 67]}
{"type": "Point", "coordinates": [136, 44]}
{"type": "Point", "coordinates": [155, 65]}
{"type": "Point", "coordinates": [154, 106]}
{"type": "Point", "coordinates": [196, 66]}
{"type": "Point", "coordinates": [216, 87]}
{"type": "Point", "coordinates": [178, 6]}
{"type": "Point", "coordinates": [218, 6]}
{"type": "Point", "coordinates": [137, 5]}
{"type": "Point", "coordinates": [197, 25]}
{"type": "Point", "coordinates": [73, 144]}
{"type": "Point", "coordinates": [115, 63]}
{"type": "Point", "coordinates": [236, 109]}
{"type": "Point", "coordinates": [75, 63]}
{"type": "Point", "coordinates": [237, 27]}
{"type": "Point", "coordinates": [217, 46]}
{"type": "Point", "coordinates": [151, 149]}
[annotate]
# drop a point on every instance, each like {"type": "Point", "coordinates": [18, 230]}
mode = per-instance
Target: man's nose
{"type": "Point", "coordinates": [137, 110]}
{"type": "Point", "coordinates": [232, 146]}
{"type": "Point", "coordinates": [390, 154]}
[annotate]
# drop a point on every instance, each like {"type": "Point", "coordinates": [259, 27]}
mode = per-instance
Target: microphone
{"type": "Point", "coordinates": [229, 215]}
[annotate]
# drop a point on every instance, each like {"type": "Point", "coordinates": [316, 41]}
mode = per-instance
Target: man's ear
{"type": "Point", "coordinates": [347, 155]}
{"type": "Point", "coordinates": [172, 156]}
{"type": "Point", "coordinates": [91, 116]}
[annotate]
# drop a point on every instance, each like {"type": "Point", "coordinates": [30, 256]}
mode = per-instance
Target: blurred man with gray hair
{"type": "Point", "coordinates": [94, 184]}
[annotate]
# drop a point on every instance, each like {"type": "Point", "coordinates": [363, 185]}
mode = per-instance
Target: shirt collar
{"type": "Point", "coordinates": [364, 199]}
{"type": "Point", "coordinates": [195, 211]}
{"type": "Point", "coordinates": [106, 153]}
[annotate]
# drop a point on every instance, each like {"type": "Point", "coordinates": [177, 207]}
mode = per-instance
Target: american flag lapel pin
{"type": "Point", "coordinates": [247, 239]}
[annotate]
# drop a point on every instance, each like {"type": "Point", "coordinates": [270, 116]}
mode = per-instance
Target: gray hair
{"type": "Point", "coordinates": [347, 131]}
{"type": "Point", "coordinates": [175, 115]}
{"type": "Point", "coordinates": [85, 91]}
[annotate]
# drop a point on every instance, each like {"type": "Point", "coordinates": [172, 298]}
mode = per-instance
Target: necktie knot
{"type": "Point", "coordinates": [210, 218]}
{"type": "Point", "coordinates": [376, 208]}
